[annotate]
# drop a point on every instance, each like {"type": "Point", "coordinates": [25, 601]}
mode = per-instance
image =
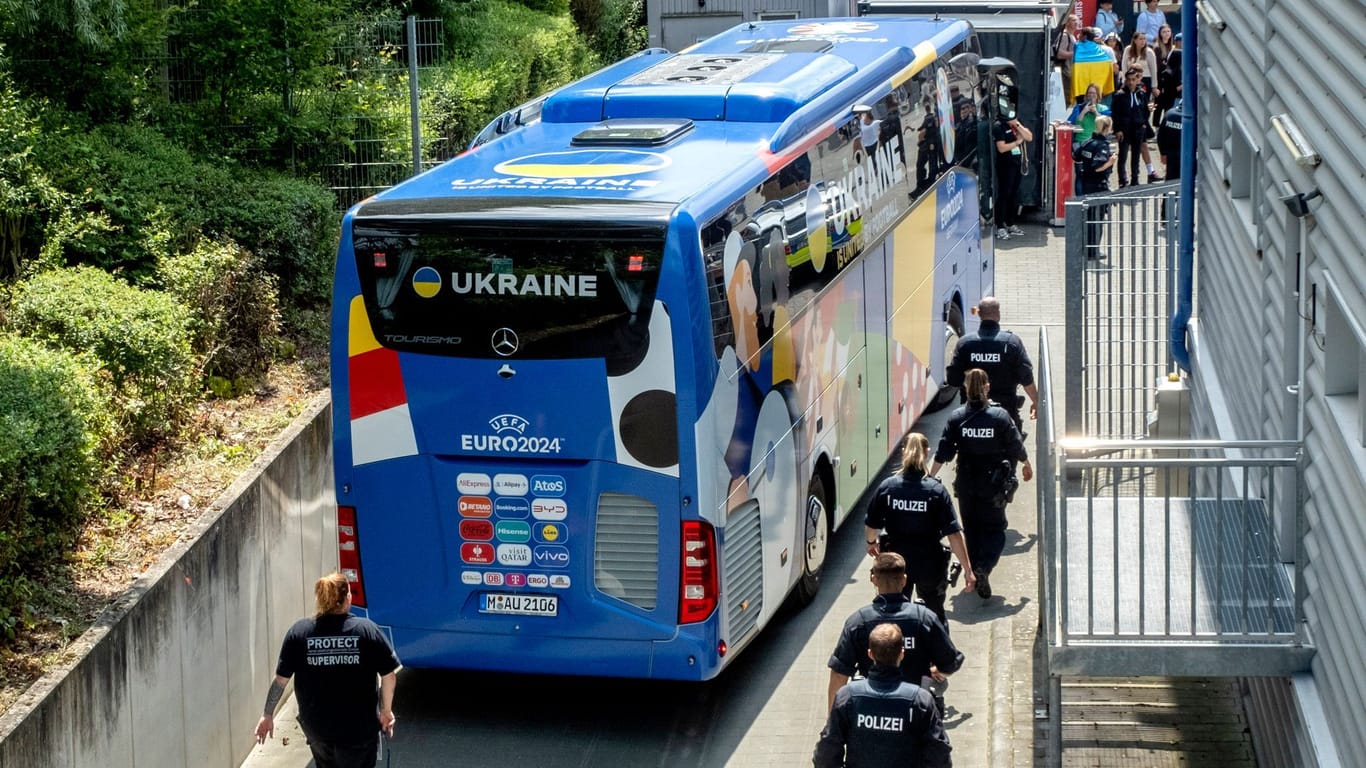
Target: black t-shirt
{"type": "Point", "coordinates": [879, 722]}
{"type": "Point", "coordinates": [981, 438]}
{"type": "Point", "coordinates": [926, 640]}
{"type": "Point", "coordinates": [334, 660]}
{"type": "Point", "coordinates": [1092, 154]}
{"type": "Point", "coordinates": [1001, 354]}
{"type": "Point", "coordinates": [917, 512]}
{"type": "Point", "coordinates": [1004, 131]}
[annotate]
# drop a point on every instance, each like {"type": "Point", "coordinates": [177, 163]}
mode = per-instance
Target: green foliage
{"type": "Point", "coordinates": [27, 195]}
{"type": "Point", "coordinates": [51, 424]}
{"type": "Point", "coordinates": [141, 339]}
{"type": "Point", "coordinates": [235, 320]}
{"type": "Point", "coordinates": [614, 28]}
{"type": "Point", "coordinates": [509, 54]}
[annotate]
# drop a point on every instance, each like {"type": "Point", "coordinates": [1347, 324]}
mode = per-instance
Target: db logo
{"type": "Point", "coordinates": [475, 506]}
{"type": "Point", "coordinates": [476, 530]}
{"type": "Point", "coordinates": [549, 509]}
{"type": "Point", "coordinates": [473, 483]}
{"type": "Point", "coordinates": [476, 554]}
{"type": "Point", "coordinates": [493, 579]}
{"type": "Point", "coordinates": [537, 580]}
{"type": "Point", "coordinates": [514, 554]}
{"type": "Point", "coordinates": [516, 580]}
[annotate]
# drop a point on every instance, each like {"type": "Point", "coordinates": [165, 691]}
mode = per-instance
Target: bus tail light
{"type": "Point", "coordinates": [348, 553]}
{"type": "Point", "coordinates": [698, 587]}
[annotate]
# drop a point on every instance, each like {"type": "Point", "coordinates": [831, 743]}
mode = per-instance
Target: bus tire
{"type": "Point", "coordinates": [816, 540]}
{"type": "Point", "coordinates": [953, 331]}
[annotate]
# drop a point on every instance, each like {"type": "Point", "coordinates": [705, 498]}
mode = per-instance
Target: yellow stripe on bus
{"type": "Point", "coordinates": [913, 296]}
{"type": "Point", "coordinates": [360, 337]}
{"type": "Point", "coordinates": [924, 54]}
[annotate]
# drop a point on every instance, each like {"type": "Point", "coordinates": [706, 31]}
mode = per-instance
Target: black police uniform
{"type": "Point", "coordinates": [1090, 156]}
{"type": "Point", "coordinates": [1004, 358]}
{"type": "Point", "coordinates": [1169, 141]}
{"type": "Point", "coordinates": [883, 721]}
{"type": "Point", "coordinates": [987, 445]}
{"type": "Point", "coordinates": [926, 639]}
{"type": "Point", "coordinates": [916, 511]}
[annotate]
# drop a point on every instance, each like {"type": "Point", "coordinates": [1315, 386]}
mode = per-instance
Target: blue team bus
{"type": "Point", "coordinates": [604, 384]}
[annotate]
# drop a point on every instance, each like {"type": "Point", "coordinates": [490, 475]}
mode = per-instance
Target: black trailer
{"type": "Point", "coordinates": [1021, 31]}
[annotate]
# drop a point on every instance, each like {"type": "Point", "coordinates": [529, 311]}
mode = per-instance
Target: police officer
{"type": "Point", "coordinates": [916, 512]}
{"type": "Point", "coordinates": [1096, 157]}
{"type": "Point", "coordinates": [929, 651]}
{"type": "Point", "coordinates": [1169, 141]}
{"type": "Point", "coordinates": [988, 445]}
{"type": "Point", "coordinates": [882, 720]}
{"type": "Point", "coordinates": [1003, 356]}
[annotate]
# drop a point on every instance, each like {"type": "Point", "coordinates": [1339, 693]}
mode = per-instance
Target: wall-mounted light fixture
{"type": "Point", "coordinates": [1212, 16]}
{"type": "Point", "coordinates": [1294, 140]}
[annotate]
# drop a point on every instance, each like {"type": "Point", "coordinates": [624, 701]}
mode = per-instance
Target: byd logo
{"type": "Point", "coordinates": [549, 509]}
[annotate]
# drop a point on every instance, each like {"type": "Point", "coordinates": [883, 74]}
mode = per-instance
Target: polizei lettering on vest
{"type": "Point", "coordinates": [910, 505]}
{"type": "Point", "coordinates": [498, 284]}
{"type": "Point", "coordinates": [882, 722]}
{"type": "Point", "coordinates": [985, 357]}
{"type": "Point", "coordinates": [979, 432]}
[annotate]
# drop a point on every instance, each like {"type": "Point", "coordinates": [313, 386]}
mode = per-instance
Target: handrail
{"type": "Point", "coordinates": [1088, 443]}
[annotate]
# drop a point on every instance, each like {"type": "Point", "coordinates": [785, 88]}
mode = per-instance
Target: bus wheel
{"type": "Point", "coordinates": [817, 539]}
{"type": "Point", "coordinates": [953, 331]}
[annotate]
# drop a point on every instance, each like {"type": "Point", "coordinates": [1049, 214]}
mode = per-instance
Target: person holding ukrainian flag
{"type": "Point", "coordinates": [1091, 63]}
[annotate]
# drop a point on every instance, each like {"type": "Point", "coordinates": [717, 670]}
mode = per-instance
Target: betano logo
{"type": "Point", "coordinates": [584, 164]}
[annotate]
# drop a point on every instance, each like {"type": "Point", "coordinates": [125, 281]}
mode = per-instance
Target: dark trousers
{"type": "Point", "coordinates": [1007, 191]}
{"type": "Point", "coordinates": [928, 578]}
{"type": "Point", "coordinates": [1130, 152]}
{"type": "Point", "coordinates": [327, 755]}
{"type": "Point", "coordinates": [984, 526]}
{"type": "Point", "coordinates": [1095, 216]}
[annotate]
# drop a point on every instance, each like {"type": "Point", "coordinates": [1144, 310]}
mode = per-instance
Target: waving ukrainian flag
{"type": "Point", "coordinates": [1092, 64]}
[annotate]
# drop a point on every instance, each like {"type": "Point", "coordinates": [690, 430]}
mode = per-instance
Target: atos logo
{"type": "Point", "coordinates": [471, 577]}
{"type": "Point", "coordinates": [551, 556]}
{"type": "Point", "coordinates": [510, 485]}
{"type": "Point", "coordinates": [549, 509]}
{"type": "Point", "coordinates": [537, 580]}
{"type": "Point", "coordinates": [473, 484]}
{"type": "Point", "coordinates": [516, 580]}
{"type": "Point", "coordinates": [550, 533]}
{"type": "Point", "coordinates": [548, 485]}
{"type": "Point", "coordinates": [514, 507]}
{"type": "Point", "coordinates": [509, 421]}
{"type": "Point", "coordinates": [475, 506]}
{"type": "Point", "coordinates": [493, 579]}
{"type": "Point", "coordinates": [476, 530]}
{"type": "Point", "coordinates": [514, 554]}
{"type": "Point", "coordinates": [476, 554]}
{"type": "Point", "coordinates": [512, 531]}
{"type": "Point", "coordinates": [559, 581]}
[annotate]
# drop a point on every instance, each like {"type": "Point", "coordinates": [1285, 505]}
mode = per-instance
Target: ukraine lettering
{"type": "Point", "coordinates": [532, 181]}
{"type": "Point", "coordinates": [882, 723]}
{"type": "Point", "coordinates": [865, 183]}
{"type": "Point", "coordinates": [530, 285]}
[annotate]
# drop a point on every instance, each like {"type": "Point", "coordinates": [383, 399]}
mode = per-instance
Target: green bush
{"type": "Point", "coordinates": [141, 339]}
{"type": "Point", "coordinates": [235, 320]}
{"type": "Point", "coordinates": [27, 196]}
{"type": "Point", "coordinates": [52, 420]}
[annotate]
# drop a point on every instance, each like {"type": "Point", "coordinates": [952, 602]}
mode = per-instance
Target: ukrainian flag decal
{"type": "Point", "coordinates": [584, 164]}
{"type": "Point", "coordinates": [427, 282]}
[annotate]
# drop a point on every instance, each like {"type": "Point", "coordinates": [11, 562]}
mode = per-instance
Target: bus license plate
{"type": "Point", "coordinates": [524, 605]}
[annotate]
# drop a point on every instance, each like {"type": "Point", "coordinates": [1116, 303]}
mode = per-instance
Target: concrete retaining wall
{"type": "Point", "coordinates": [175, 672]}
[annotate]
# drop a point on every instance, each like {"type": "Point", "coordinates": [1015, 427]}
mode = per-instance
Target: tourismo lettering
{"type": "Point", "coordinates": [499, 284]}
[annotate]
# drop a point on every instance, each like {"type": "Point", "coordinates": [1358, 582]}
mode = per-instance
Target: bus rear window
{"type": "Point", "coordinates": [530, 291]}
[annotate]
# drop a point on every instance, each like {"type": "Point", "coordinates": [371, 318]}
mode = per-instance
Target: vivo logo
{"type": "Point", "coordinates": [549, 509]}
{"type": "Point", "coordinates": [473, 484]}
{"type": "Point", "coordinates": [514, 554]}
{"type": "Point", "coordinates": [551, 556]}
{"type": "Point", "coordinates": [548, 485]}
{"type": "Point", "coordinates": [510, 485]}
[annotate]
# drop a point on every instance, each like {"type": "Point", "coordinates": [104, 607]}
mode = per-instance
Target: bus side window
{"type": "Point", "coordinates": [713, 267]}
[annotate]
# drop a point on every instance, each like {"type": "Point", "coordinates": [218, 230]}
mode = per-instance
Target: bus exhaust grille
{"type": "Point", "coordinates": [626, 549]}
{"type": "Point", "coordinates": [743, 571]}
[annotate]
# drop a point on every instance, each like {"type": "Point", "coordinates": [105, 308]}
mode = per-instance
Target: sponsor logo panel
{"type": "Point", "coordinates": [476, 530]}
{"type": "Point", "coordinates": [475, 506]}
{"type": "Point", "coordinates": [552, 486]}
{"type": "Point", "coordinates": [537, 580]}
{"type": "Point", "coordinates": [471, 577]}
{"type": "Point", "coordinates": [493, 579]}
{"type": "Point", "coordinates": [513, 531]}
{"type": "Point", "coordinates": [559, 581]}
{"type": "Point", "coordinates": [476, 553]}
{"type": "Point", "coordinates": [510, 485]}
{"type": "Point", "coordinates": [517, 508]}
{"type": "Point", "coordinates": [549, 509]}
{"type": "Point", "coordinates": [473, 484]}
{"type": "Point", "coordinates": [551, 556]}
{"type": "Point", "coordinates": [550, 533]}
{"type": "Point", "coordinates": [514, 554]}
{"type": "Point", "coordinates": [516, 580]}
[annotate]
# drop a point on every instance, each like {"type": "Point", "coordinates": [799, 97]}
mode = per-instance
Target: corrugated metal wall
{"type": "Point", "coordinates": [1307, 59]}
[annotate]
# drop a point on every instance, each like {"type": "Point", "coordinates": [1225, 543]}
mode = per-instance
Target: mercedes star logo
{"type": "Point", "coordinates": [505, 341]}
